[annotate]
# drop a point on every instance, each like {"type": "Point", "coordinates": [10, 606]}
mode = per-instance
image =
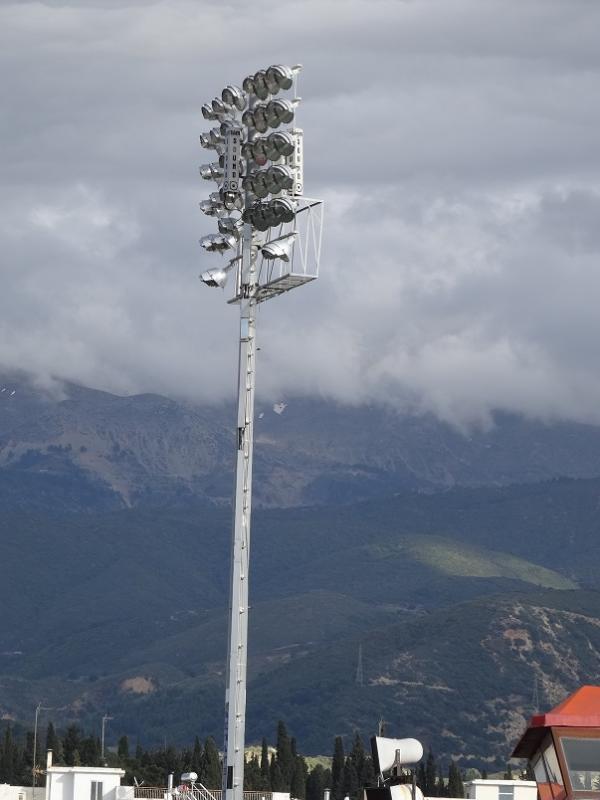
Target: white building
{"type": "Point", "coordinates": [501, 790]}
{"type": "Point", "coordinates": [8, 792]}
{"type": "Point", "coordinates": [86, 783]}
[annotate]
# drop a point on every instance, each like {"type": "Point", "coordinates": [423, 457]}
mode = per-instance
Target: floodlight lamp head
{"type": "Point", "coordinates": [248, 84]}
{"type": "Point", "coordinates": [278, 178]}
{"type": "Point", "coordinates": [215, 137]}
{"type": "Point", "coordinates": [230, 227]}
{"type": "Point", "coordinates": [233, 96]}
{"type": "Point", "coordinates": [212, 208]}
{"type": "Point", "coordinates": [217, 242]}
{"type": "Point", "coordinates": [256, 183]}
{"type": "Point", "coordinates": [212, 140]}
{"type": "Point", "coordinates": [279, 77]}
{"type": "Point", "coordinates": [225, 126]}
{"type": "Point", "coordinates": [280, 248]}
{"type": "Point", "coordinates": [284, 209]}
{"type": "Point", "coordinates": [279, 144]}
{"type": "Point", "coordinates": [221, 108]}
{"type": "Point", "coordinates": [208, 113]}
{"type": "Point", "coordinates": [216, 278]}
{"type": "Point", "coordinates": [261, 90]}
{"type": "Point", "coordinates": [259, 116]}
{"type": "Point", "coordinates": [211, 172]}
{"type": "Point", "coordinates": [232, 200]}
{"type": "Point", "coordinates": [257, 215]}
{"type": "Point", "coordinates": [280, 111]}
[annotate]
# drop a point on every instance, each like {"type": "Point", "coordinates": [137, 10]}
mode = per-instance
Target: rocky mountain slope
{"type": "Point", "coordinates": [90, 450]}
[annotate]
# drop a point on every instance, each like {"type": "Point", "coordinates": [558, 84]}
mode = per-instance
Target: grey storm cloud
{"type": "Point", "coordinates": [454, 141]}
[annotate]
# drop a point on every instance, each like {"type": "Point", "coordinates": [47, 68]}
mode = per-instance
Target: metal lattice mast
{"type": "Point", "coordinates": [278, 244]}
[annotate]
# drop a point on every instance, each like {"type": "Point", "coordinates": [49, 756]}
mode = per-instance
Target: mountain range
{"type": "Point", "coordinates": [400, 568]}
{"type": "Point", "coordinates": [98, 450]}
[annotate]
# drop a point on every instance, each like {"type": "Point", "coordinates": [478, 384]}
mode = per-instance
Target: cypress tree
{"type": "Point", "coordinates": [441, 786]}
{"type": "Point", "coordinates": [71, 741]}
{"type": "Point", "coordinates": [212, 770]}
{"type": "Point", "coordinates": [367, 776]}
{"type": "Point", "coordinates": [316, 783]}
{"type": "Point", "coordinates": [28, 752]}
{"type": "Point", "coordinates": [337, 769]}
{"type": "Point", "coordinates": [357, 756]}
{"type": "Point", "coordinates": [455, 784]}
{"type": "Point", "coordinates": [89, 751]}
{"type": "Point", "coordinates": [298, 782]}
{"type": "Point", "coordinates": [285, 757]}
{"type": "Point", "coordinates": [350, 785]}
{"type": "Point", "coordinates": [430, 775]}
{"type": "Point", "coordinates": [265, 775]}
{"type": "Point", "coordinates": [277, 782]}
{"type": "Point", "coordinates": [51, 738]}
{"type": "Point", "coordinates": [123, 748]}
{"type": "Point", "coordinates": [7, 758]}
{"type": "Point", "coordinates": [196, 763]}
{"type": "Point", "coordinates": [252, 776]}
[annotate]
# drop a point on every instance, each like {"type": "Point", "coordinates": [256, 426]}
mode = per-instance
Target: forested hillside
{"type": "Point", "coordinates": [114, 578]}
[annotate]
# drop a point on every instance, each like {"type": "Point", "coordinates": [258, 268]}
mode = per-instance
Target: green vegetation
{"type": "Point", "coordinates": [128, 613]}
{"type": "Point", "coordinates": [280, 768]}
{"type": "Point", "coordinates": [467, 561]}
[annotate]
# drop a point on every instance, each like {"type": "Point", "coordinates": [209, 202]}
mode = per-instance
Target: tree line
{"type": "Point", "coordinates": [280, 768]}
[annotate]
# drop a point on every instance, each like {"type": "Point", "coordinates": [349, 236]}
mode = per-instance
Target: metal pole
{"type": "Point", "coordinates": [35, 727]}
{"type": "Point", "coordinates": [105, 718]}
{"type": "Point", "coordinates": [235, 693]}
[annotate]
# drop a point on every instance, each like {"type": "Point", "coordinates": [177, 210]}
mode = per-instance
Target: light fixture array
{"type": "Point", "coordinates": [258, 171]}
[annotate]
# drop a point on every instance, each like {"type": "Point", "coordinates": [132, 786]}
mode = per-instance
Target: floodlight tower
{"type": "Point", "coordinates": [273, 234]}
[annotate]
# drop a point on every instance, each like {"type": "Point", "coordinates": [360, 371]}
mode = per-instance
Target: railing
{"type": "Point", "coordinates": [192, 792]}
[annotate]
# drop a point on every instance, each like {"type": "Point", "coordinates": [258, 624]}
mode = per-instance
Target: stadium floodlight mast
{"type": "Point", "coordinates": [272, 233]}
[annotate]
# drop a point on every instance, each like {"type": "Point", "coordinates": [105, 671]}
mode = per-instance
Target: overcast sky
{"type": "Point", "coordinates": [456, 143]}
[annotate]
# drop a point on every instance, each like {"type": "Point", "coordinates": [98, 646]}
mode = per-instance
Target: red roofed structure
{"type": "Point", "coordinates": [563, 747]}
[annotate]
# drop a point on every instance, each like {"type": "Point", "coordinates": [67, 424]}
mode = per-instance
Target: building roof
{"type": "Point", "coordinates": [580, 710]}
{"type": "Point", "coordinates": [88, 770]}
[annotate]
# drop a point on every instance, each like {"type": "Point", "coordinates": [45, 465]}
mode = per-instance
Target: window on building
{"type": "Point", "coordinates": [506, 792]}
{"type": "Point", "coordinates": [96, 790]}
{"type": "Point", "coordinates": [547, 775]}
{"type": "Point", "coordinates": [552, 767]}
{"type": "Point", "coordinates": [583, 762]}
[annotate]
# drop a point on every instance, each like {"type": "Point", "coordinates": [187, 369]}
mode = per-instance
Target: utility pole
{"type": "Point", "coordinates": [38, 708]}
{"type": "Point", "coordinates": [105, 719]}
